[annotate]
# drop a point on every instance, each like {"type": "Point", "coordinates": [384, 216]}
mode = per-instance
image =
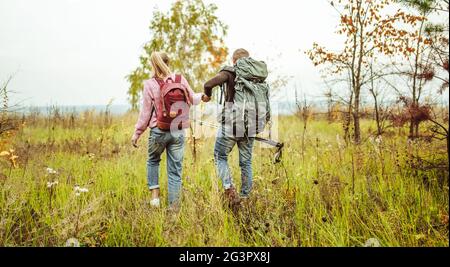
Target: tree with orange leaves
{"type": "Point", "coordinates": [192, 35]}
{"type": "Point", "coordinates": [370, 31]}
{"type": "Point", "coordinates": [429, 57]}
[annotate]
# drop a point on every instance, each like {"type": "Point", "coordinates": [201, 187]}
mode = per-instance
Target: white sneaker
{"type": "Point", "coordinates": [155, 203]}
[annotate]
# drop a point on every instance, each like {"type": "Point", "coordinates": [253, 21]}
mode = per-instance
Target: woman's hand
{"type": "Point", "coordinates": [206, 98]}
{"type": "Point", "coordinates": [134, 141]}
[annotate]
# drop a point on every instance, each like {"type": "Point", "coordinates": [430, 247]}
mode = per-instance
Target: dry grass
{"type": "Point", "coordinates": [335, 196]}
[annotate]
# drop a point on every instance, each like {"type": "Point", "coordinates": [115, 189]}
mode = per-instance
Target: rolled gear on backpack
{"type": "Point", "coordinates": [251, 109]}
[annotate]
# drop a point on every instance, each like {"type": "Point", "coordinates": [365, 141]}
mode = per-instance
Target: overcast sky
{"type": "Point", "coordinates": [77, 52]}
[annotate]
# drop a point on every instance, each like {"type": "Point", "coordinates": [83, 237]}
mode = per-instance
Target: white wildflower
{"type": "Point", "coordinates": [372, 242]}
{"type": "Point", "coordinates": [80, 190]}
{"type": "Point", "coordinates": [51, 171]}
{"type": "Point", "coordinates": [338, 140]}
{"type": "Point", "coordinates": [52, 184]}
{"type": "Point", "coordinates": [72, 242]}
{"type": "Point", "coordinates": [84, 190]}
{"type": "Point", "coordinates": [379, 139]}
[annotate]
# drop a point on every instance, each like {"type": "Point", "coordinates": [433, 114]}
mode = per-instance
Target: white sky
{"type": "Point", "coordinates": [78, 52]}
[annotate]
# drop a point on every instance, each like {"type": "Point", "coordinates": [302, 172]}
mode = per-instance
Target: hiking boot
{"type": "Point", "coordinates": [232, 196]}
{"type": "Point", "coordinates": [174, 208]}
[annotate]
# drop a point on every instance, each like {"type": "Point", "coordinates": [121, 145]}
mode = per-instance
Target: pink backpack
{"type": "Point", "coordinates": [173, 102]}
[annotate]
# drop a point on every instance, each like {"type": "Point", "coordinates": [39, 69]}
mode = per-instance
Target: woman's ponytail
{"type": "Point", "coordinates": [160, 65]}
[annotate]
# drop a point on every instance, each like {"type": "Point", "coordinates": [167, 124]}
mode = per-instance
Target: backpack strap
{"type": "Point", "coordinates": [222, 89]}
{"type": "Point", "coordinates": [178, 78]}
{"type": "Point", "coordinates": [160, 82]}
{"type": "Point", "coordinates": [228, 68]}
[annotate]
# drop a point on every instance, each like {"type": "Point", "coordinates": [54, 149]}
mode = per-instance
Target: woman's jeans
{"type": "Point", "coordinates": [224, 144]}
{"type": "Point", "coordinates": [174, 144]}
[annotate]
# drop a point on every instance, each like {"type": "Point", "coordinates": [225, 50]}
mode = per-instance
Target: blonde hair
{"type": "Point", "coordinates": [160, 65]}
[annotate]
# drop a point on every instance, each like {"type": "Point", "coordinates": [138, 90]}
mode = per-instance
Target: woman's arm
{"type": "Point", "coordinates": [145, 113]}
{"type": "Point", "coordinates": [194, 97]}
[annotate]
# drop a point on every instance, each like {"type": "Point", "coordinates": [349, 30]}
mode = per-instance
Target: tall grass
{"type": "Point", "coordinates": [338, 195]}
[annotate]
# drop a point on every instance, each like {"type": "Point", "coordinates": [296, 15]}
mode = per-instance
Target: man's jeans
{"type": "Point", "coordinates": [224, 145]}
{"type": "Point", "coordinates": [174, 143]}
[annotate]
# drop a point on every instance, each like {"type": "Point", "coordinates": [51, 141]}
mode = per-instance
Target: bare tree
{"type": "Point", "coordinates": [369, 32]}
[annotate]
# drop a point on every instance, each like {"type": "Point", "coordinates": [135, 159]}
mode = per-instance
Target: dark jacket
{"type": "Point", "coordinates": [225, 76]}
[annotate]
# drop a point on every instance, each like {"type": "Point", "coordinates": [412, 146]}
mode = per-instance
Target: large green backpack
{"type": "Point", "coordinates": [251, 108]}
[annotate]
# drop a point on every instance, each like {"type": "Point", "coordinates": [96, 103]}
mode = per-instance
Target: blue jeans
{"type": "Point", "coordinates": [224, 145]}
{"type": "Point", "coordinates": [174, 144]}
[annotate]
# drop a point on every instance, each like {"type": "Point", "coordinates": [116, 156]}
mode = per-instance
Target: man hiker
{"type": "Point", "coordinates": [245, 92]}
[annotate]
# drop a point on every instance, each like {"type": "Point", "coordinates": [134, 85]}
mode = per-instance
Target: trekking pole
{"type": "Point", "coordinates": [204, 123]}
{"type": "Point", "coordinates": [278, 145]}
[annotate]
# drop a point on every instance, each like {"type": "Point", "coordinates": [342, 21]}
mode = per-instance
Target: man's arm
{"type": "Point", "coordinates": [219, 79]}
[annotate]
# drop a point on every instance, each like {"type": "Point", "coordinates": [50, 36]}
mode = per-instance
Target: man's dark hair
{"type": "Point", "coordinates": [240, 53]}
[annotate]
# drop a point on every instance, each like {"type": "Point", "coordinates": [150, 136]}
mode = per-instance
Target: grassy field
{"type": "Point", "coordinates": [327, 194]}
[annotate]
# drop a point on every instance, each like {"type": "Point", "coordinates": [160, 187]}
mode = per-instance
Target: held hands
{"type": "Point", "coordinates": [206, 98]}
{"type": "Point", "coordinates": [135, 138]}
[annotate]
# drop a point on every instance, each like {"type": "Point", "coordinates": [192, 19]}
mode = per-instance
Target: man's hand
{"type": "Point", "coordinates": [206, 98]}
{"type": "Point", "coordinates": [134, 141]}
